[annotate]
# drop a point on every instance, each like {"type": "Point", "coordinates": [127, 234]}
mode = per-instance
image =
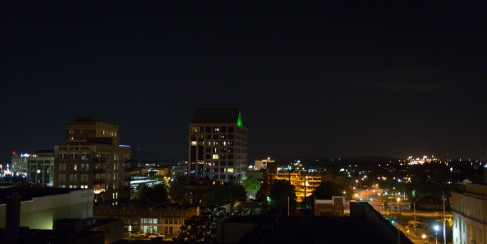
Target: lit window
{"type": "Point", "coordinates": [230, 170]}
{"type": "Point", "coordinates": [193, 143]}
{"type": "Point", "coordinates": [217, 129]}
{"type": "Point", "coordinates": [216, 156]}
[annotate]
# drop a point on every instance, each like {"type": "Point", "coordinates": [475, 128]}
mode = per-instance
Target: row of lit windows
{"type": "Point", "coordinates": [73, 186]}
{"type": "Point", "coordinates": [74, 156]}
{"type": "Point", "coordinates": [209, 129]}
{"type": "Point", "coordinates": [91, 132]}
{"type": "Point", "coordinates": [221, 163]}
{"type": "Point", "coordinates": [221, 170]}
{"type": "Point", "coordinates": [212, 143]}
{"type": "Point", "coordinates": [73, 167]}
{"type": "Point", "coordinates": [224, 156]}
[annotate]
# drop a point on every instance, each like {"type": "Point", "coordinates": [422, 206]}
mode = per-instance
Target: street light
{"type": "Point", "coordinates": [399, 204]}
{"type": "Point", "coordinates": [436, 233]}
{"type": "Point", "coordinates": [424, 238]}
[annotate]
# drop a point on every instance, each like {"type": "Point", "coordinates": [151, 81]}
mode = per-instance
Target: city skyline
{"type": "Point", "coordinates": [312, 79]}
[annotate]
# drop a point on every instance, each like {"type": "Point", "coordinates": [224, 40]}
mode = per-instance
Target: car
{"type": "Point", "coordinates": [156, 235]}
{"type": "Point", "coordinates": [138, 235]}
{"type": "Point", "coordinates": [416, 224]}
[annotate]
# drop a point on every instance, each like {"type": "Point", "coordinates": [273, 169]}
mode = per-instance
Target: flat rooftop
{"type": "Point", "coordinates": [27, 193]}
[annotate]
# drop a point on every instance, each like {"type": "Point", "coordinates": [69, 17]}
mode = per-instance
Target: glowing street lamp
{"type": "Point", "coordinates": [437, 228]}
{"type": "Point", "coordinates": [423, 236]}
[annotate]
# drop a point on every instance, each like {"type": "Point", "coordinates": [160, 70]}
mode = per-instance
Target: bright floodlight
{"type": "Point", "coordinates": [423, 236]}
{"type": "Point", "coordinates": [437, 227]}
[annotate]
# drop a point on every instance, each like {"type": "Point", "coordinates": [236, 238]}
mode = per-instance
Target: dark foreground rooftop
{"type": "Point", "coordinates": [364, 225]}
{"type": "Point", "coordinates": [314, 230]}
{"type": "Point", "coordinates": [27, 193]}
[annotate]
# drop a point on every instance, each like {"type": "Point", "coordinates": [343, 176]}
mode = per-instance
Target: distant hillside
{"type": "Point", "coordinates": [280, 158]}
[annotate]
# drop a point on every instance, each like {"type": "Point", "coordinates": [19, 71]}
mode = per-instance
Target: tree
{"type": "Point", "coordinates": [229, 192]}
{"type": "Point", "coordinates": [251, 184]}
{"type": "Point", "coordinates": [177, 189]}
{"type": "Point", "coordinates": [336, 187]}
{"type": "Point", "coordinates": [279, 192]}
{"type": "Point", "coordinates": [156, 193]}
{"type": "Point", "coordinates": [201, 228]}
{"type": "Point", "coordinates": [143, 192]}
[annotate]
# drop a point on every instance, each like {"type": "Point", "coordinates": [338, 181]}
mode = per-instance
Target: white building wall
{"type": "Point", "coordinates": [40, 213]}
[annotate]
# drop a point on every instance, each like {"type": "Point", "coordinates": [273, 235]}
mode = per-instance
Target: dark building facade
{"type": "Point", "coordinates": [92, 158]}
{"type": "Point", "coordinates": [218, 145]}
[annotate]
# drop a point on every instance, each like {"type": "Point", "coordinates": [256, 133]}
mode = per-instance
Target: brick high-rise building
{"type": "Point", "coordinates": [217, 144]}
{"type": "Point", "coordinates": [92, 158]}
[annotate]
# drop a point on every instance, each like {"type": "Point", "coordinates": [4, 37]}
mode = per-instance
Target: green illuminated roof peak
{"type": "Point", "coordinates": [239, 120]}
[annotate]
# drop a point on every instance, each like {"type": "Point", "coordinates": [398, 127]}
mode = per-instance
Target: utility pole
{"type": "Point", "coordinates": [444, 218]}
{"type": "Point", "coordinates": [414, 211]}
{"type": "Point", "coordinates": [288, 205]}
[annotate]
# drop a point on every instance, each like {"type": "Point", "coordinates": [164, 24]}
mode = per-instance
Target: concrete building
{"type": "Point", "coordinates": [18, 165]}
{"type": "Point", "coordinates": [330, 207]}
{"type": "Point", "coordinates": [217, 147]}
{"type": "Point", "coordinates": [364, 226]}
{"type": "Point", "coordinates": [469, 209]}
{"type": "Point", "coordinates": [53, 215]}
{"type": "Point", "coordinates": [149, 219]}
{"type": "Point", "coordinates": [40, 207]}
{"type": "Point", "coordinates": [92, 158]}
{"type": "Point", "coordinates": [262, 164]}
{"type": "Point", "coordinates": [179, 170]}
{"type": "Point", "coordinates": [40, 167]}
{"type": "Point", "coordinates": [304, 182]}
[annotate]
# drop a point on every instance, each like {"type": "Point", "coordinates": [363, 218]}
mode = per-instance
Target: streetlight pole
{"type": "Point", "coordinates": [436, 233]}
{"type": "Point", "coordinates": [399, 205]}
{"type": "Point", "coordinates": [444, 218]}
{"type": "Point", "coordinates": [414, 209]}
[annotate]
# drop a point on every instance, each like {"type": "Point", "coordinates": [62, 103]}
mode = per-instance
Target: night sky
{"type": "Point", "coordinates": [312, 79]}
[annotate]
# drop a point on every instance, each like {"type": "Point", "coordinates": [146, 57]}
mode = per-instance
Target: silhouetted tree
{"type": "Point", "coordinates": [279, 192]}
{"type": "Point", "coordinates": [201, 228]}
{"type": "Point", "coordinates": [177, 189]}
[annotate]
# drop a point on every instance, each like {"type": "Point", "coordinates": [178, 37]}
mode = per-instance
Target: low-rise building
{"type": "Point", "coordinates": [304, 182]}
{"type": "Point", "coordinates": [330, 207]}
{"type": "Point", "coordinates": [152, 219]}
{"type": "Point", "coordinates": [40, 207]}
{"type": "Point", "coordinates": [469, 209]}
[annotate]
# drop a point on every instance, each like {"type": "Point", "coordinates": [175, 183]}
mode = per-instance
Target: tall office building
{"type": "Point", "coordinates": [217, 144]}
{"type": "Point", "coordinates": [19, 164]}
{"type": "Point", "coordinates": [40, 167]}
{"type": "Point", "coordinates": [92, 158]}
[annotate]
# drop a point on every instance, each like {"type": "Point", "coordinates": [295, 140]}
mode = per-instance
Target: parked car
{"type": "Point", "coordinates": [156, 235]}
{"type": "Point", "coordinates": [138, 235]}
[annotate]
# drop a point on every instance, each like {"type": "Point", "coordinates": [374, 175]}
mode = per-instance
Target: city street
{"type": "Point", "coordinates": [400, 212]}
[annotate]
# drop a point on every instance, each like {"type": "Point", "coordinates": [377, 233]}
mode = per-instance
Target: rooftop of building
{"type": "Point", "coordinates": [216, 115]}
{"type": "Point", "coordinates": [28, 193]}
{"type": "Point", "coordinates": [291, 229]}
{"type": "Point", "coordinates": [365, 225]}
